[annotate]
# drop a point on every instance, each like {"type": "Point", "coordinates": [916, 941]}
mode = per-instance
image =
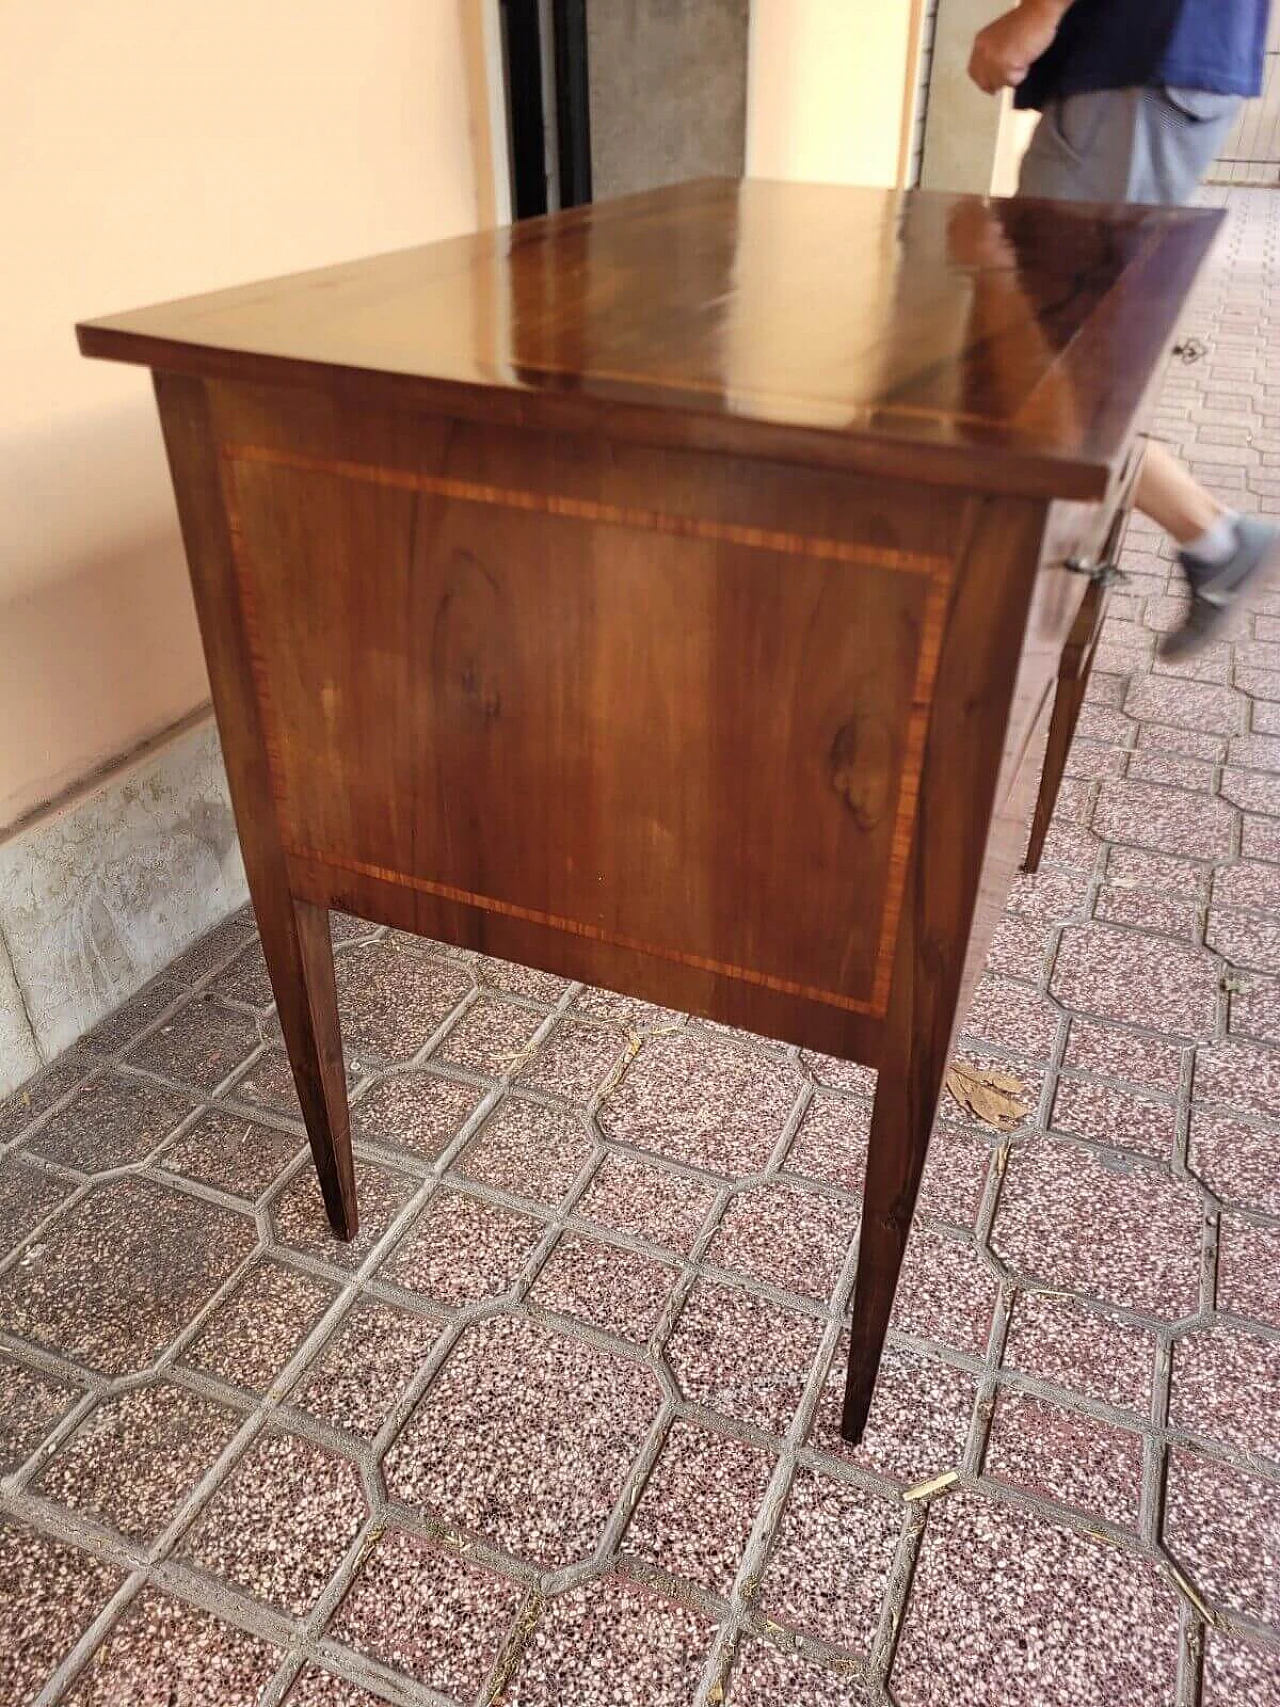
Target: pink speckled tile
{"type": "Point", "coordinates": [1011, 1016]}
{"type": "Point", "coordinates": [366, 1366]}
{"type": "Point", "coordinates": [1065, 1455]}
{"type": "Point", "coordinates": [525, 1437]}
{"type": "Point", "coordinates": [1146, 869]}
{"type": "Point", "coordinates": [27, 1196]}
{"type": "Point", "coordinates": [1191, 743]}
{"type": "Point", "coordinates": [1256, 791]}
{"type": "Point", "coordinates": [830, 1142]}
{"type": "Point", "coordinates": [524, 981]}
{"type": "Point", "coordinates": [199, 1046]}
{"type": "Point", "coordinates": [1144, 911]}
{"type": "Point", "coordinates": [426, 1612]}
{"type": "Point", "coordinates": [1191, 705]}
{"type": "Point", "coordinates": [703, 1101]}
{"type": "Point", "coordinates": [301, 1223]}
{"type": "Point", "coordinates": [796, 1239]}
{"type": "Point", "coordinates": [615, 1289]}
{"type": "Point", "coordinates": [1225, 1387]}
{"type": "Point", "coordinates": [1122, 1119]}
{"type": "Point", "coordinates": [1249, 1269]}
{"type": "Point", "coordinates": [1081, 1222]}
{"type": "Point", "coordinates": [945, 1292]}
{"type": "Point", "coordinates": [160, 1650]}
{"type": "Point", "coordinates": [1260, 838]}
{"type": "Point", "coordinates": [491, 1037]}
{"type": "Point", "coordinates": [1239, 1075]}
{"type": "Point", "coordinates": [829, 1563]}
{"type": "Point", "coordinates": [1222, 1525]}
{"type": "Point", "coordinates": [281, 1522]}
{"type": "Point", "coordinates": [1102, 722]}
{"type": "Point", "coordinates": [1255, 752]}
{"type": "Point", "coordinates": [1140, 980]}
{"type": "Point", "coordinates": [52, 1593]}
{"type": "Point", "coordinates": [627, 1011]}
{"type": "Point", "coordinates": [1018, 948]}
{"type": "Point", "coordinates": [837, 1075]}
{"type": "Point", "coordinates": [765, 1676]}
{"type": "Point", "coordinates": [955, 1171]}
{"type": "Point", "coordinates": [609, 1642]}
{"type": "Point", "coordinates": [392, 999]}
{"type": "Point", "coordinates": [1065, 1621]}
{"type": "Point", "coordinates": [461, 1250]}
{"type": "Point", "coordinates": [742, 1355]}
{"type": "Point", "coordinates": [418, 1112]}
{"type": "Point", "coordinates": [137, 1455]}
{"type": "Point", "coordinates": [30, 1403]}
{"type": "Point", "coordinates": [236, 1155]}
{"type": "Point", "coordinates": [1104, 1049]}
{"type": "Point", "coordinates": [576, 1061]}
{"type": "Point", "coordinates": [253, 1333]}
{"type": "Point", "coordinates": [698, 1506]}
{"type": "Point", "coordinates": [1092, 760]}
{"type": "Point", "coordinates": [316, 1688]}
{"type": "Point", "coordinates": [267, 1085]}
{"type": "Point", "coordinates": [1238, 1672]}
{"type": "Point", "coordinates": [114, 1120]}
{"type": "Point", "coordinates": [1255, 1008]}
{"type": "Point", "coordinates": [1195, 826]}
{"type": "Point", "coordinates": [1170, 769]}
{"type": "Point", "coordinates": [628, 1195]}
{"type": "Point", "coordinates": [919, 1419]}
{"type": "Point", "coordinates": [1239, 1162]}
{"type": "Point", "coordinates": [1049, 896]}
{"type": "Point", "coordinates": [1249, 883]}
{"type": "Point", "coordinates": [528, 1149]}
{"type": "Point", "coordinates": [1246, 939]}
{"type": "Point", "coordinates": [1072, 847]}
{"type": "Point", "coordinates": [175, 1250]}
{"type": "Point", "coordinates": [1060, 1341]}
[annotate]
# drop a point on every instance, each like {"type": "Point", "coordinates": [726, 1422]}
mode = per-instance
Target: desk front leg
{"type": "Point", "coordinates": [947, 920]}
{"type": "Point", "coordinates": [295, 934]}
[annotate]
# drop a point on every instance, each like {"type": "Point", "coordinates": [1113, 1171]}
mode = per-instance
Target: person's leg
{"type": "Point", "coordinates": [1173, 498]}
{"type": "Point", "coordinates": [1154, 146]}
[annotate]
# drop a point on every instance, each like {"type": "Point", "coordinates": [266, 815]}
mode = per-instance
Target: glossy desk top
{"type": "Point", "coordinates": [1000, 344]}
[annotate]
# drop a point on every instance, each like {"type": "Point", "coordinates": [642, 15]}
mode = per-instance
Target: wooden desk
{"type": "Point", "coordinates": [670, 594]}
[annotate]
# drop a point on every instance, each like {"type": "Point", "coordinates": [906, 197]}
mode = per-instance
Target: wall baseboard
{"type": "Point", "coordinates": [105, 889]}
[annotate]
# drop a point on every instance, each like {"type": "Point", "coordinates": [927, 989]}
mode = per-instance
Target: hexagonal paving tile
{"type": "Point", "coordinates": [1140, 980]}
{"type": "Point", "coordinates": [702, 1101]}
{"type": "Point", "coordinates": [392, 1000]}
{"type": "Point", "coordinates": [418, 1112]}
{"type": "Point", "coordinates": [137, 1455]}
{"type": "Point", "coordinates": [796, 1239]}
{"type": "Point", "coordinates": [525, 1437]}
{"type": "Point", "coordinates": [1129, 1236]}
{"type": "Point", "coordinates": [112, 1121]}
{"type": "Point", "coordinates": [164, 1651]}
{"type": "Point", "coordinates": [1226, 1386]}
{"type": "Point", "coordinates": [52, 1593]}
{"type": "Point", "coordinates": [1222, 1525]}
{"type": "Point", "coordinates": [743, 1355]}
{"type": "Point", "coordinates": [1065, 1622]}
{"type": "Point", "coordinates": [612, 1641]}
{"type": "Point", "coordinates": [121, 1272]}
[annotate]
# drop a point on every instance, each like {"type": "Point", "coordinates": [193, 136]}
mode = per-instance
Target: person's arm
{"type": "Point", "coordinates": [1005, 51]}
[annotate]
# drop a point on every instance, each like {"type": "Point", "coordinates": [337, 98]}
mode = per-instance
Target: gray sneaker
{"type": "Point", "coordinates": [1216, 589]}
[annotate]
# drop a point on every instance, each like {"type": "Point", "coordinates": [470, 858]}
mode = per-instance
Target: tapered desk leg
{"type": "Point", "coordinates": [943, 927]}
{"type": "Point", "coordinates": [295, 934]}
{"type": "Point", "coordinates": [1073, 683]}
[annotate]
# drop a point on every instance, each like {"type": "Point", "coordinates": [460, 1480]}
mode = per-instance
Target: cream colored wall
{"type": "Point", "coordinates": [827, 86]}
{"type": "Point", "coordinates": [151, 149]}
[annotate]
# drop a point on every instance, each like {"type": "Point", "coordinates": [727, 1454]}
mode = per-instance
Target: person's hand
{"type": "Point", "coordinates": [1005, 51]}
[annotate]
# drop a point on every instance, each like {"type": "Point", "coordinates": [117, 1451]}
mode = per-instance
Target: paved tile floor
{"type": "Point", "coordinates": [561, 1426]}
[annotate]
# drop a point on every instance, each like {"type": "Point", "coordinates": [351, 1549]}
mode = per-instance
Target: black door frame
{"type": "Point", "coordinates": [529, 125]}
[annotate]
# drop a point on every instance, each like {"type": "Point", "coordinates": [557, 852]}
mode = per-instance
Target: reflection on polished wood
{"type": "Point", "coordinates": [670, 594]}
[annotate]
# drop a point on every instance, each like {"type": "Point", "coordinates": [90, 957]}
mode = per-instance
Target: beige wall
{"type": "Point", "coordinates": [151, 149]}
{"type": "Point", "coordinates": [826, 89]}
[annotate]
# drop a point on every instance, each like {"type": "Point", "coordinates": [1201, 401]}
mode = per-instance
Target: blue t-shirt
{"type": "Point", "coordinates": [1218, 45]}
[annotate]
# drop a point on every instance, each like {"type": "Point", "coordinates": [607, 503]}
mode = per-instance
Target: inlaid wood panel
{"type": "Point", "coordinates": [594, 709]}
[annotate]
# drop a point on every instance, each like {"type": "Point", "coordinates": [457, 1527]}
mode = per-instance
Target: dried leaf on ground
{"type": "Point", "coordinates": [997, 1099]}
